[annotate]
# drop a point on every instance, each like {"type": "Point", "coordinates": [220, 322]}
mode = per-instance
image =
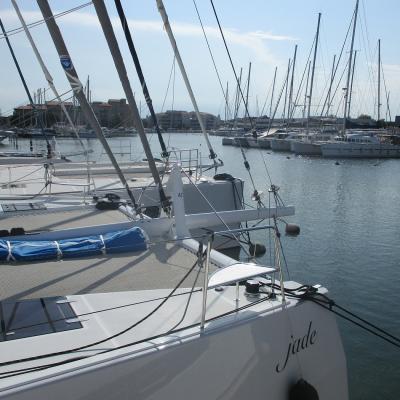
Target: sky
{"type": "Point", "coordinates": [263, 32]}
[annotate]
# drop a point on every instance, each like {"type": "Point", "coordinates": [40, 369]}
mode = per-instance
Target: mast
{"type": "Point", "coordinates": [291, 106]}
{"type": "Point", "coordinates": [46, 73]}
{"type": "Point", "coordinates": [28, 93]}
{"type": "Point", "coordinates": [352, 80]}
{"type": "Point", "coordinates": [379, 80]}
{"type": "Point", "coordinates": [108, 31]}
{"type": "Point", "coordinates": [78, 90]}
{"type": "Point", "coordinates": [330, 85]}
{"type": "Point", "coordinates": [312, 74]}
{"type": "Point", "coordinates": [227, 102]}
{"type": "Point", "coordinates": [139, 72]}
{"type": "Point", "coordinates": [286, 90]}
{"type": "Point", "coordinates": [237, 97]}
{"type": "Point", "coordinates": [273, 92]}
{"type": "Point", "coordinates": [349, 68]}
{"type": "Point", "coordinates": [247, 91]}
{"type": "Point", "coordinates": [306, 91]}
{"type": "Point", "coordinates": [167, 27]}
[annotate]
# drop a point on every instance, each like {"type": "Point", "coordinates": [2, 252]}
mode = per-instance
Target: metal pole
{"type": "Point", "coordinates": [33, 105]}
{"type": "Point", "coordinates": [77, 87]}
{"type": "Point", "coordinates": [273, 92]}
{"type": "Point", "coordinates": [306, 91]}
{"type": "Point", "coordinates": [167, 27]}
{"type": "Point", "coordinates": [139, 72]}
{"type": "Point", "coordinates": [312, 74]}
{"type": "Point", "coordinates": [247, 91]}
{"type": "Point", "coordinates": [290, 113]}
{"type": "Point", "coordinates": [379, 80]}
{"type": "Point", "coordinates": [227, 102]}
{"type": "Point", "coordinates": [330, 85]}
{"type": "Point", "coordinates": [205, 284]}
{"type": "Point", "coordinates": [46, 73]}
{"type": "Point", "coordinates": [346, 93]}
{"type": "Point", "coordinates": [352, 80]}
{"type": "Point", "coordinates": [108, 31]}
{"type": "Point", "coordinates": [286, 90]}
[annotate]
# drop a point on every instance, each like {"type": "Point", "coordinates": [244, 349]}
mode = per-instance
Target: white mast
{"type": "Point", "coordinates": [379, 80]}
{"type": "Point", "coordinates": [273, 92]}
{"type": "Point", "coordinates": [330, 86]}
{"type": "Point", "coordinates": [352, 80]}
{"type": "Point", "coordinates": [346, 94]}
{"type": "Point", "coordinates": [46, 73]}
{"type": "Point", "coordinates": [291, 105]}
{"type": "Point", "coordinates": [167, 27]}
{"type": "Point", "coordinates": [312, 73]}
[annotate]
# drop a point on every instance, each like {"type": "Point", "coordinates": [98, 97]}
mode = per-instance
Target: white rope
{"type": "Point", "coordinates": [10, 256]}
{"type": "Point", "coordinates": [103, 250]}
{"type": "Point", "coordinates": [59, 252]}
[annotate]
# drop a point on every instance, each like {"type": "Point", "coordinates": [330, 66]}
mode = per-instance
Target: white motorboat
{"type": "Point", "coordinates": [310, 145]}
{"type": "Point", "coordinates": [360, 145]}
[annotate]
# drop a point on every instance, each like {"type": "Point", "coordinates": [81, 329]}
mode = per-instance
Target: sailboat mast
{"type": "Point", "coordinates": [273, 92]}
{"type": "Point", "coordinates": [78, 90]}
{"type": "Point", "coordinates": [47, 74]}
{"type": "Point", "coordinates": [227, 102]}
{"type": "Point", "coordinates": [237, 96]}
{"type": "Point", "coordinates": [312, 73]}
{"type": "Point", "coordinates": [330, 86]}
{"type": "Point", "coordinates": [167, 27]}
{"type": "Point", "coordinates": [352, 80]}
{"type": "Point", "coordinates": [306, 91]}
{"type": "Point", "coordinates": [286, 90]}
{"type": "Point", "coordinates": [346, 94]}
{"type": "Point", "coordinates": [109, 34]}
{"type": "Point", "coordinates": [139, 72]}
{"type": "Point", "coordinates": [28, 93]}
{"type": "Point", "coordinates": [247, 91]}
{"type": "Point", "coordinates": [291, 106]}
{"type": "Point", "coordinates": [379, 80]}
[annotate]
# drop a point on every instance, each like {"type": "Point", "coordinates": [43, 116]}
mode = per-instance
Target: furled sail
{"type": "Point", "coordinates": [128, 240]}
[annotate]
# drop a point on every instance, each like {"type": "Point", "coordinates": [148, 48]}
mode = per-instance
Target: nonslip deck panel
{"type": "Point", "coordinates": [160, 267]}
{"type": "Point", "coordinates": [63, 220]}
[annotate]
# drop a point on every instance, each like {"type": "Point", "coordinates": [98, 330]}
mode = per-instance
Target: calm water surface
{"type": "Point", "coordinates": [349, 216]}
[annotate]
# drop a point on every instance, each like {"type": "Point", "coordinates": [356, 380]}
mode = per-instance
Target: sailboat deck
{"type": "Point", "coordinates": [161, 266]}
{"type": "Point", "coordinates": [63, 219]}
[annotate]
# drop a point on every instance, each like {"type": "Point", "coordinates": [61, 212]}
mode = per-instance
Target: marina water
{"type": "Point", "coordinates": [349, 215]}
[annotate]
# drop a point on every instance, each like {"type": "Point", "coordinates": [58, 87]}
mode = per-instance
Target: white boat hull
{"type": "Point", "coordinates": [280, 144]}
{"type": "Point", "coordinates": [306, 148]}
{"type": "Point", "coordinates": [360, 150]}
{"type": "Point", "coordinates": [235, 358]}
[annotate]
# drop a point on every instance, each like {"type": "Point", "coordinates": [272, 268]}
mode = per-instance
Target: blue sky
{"type": "Point", "coordinates": [263, 32]}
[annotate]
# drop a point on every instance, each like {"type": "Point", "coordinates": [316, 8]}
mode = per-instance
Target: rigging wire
{"type": "Point", "coordinates": [211, 54]}
{"type": "Point", "coordinates": [139, 72]}
{"type": "Point", "coordinates": [15, 31]}
{"type": "Point", "coordinates": [5, 375]}
{"type": "Point", "coordinates": [337, 66]}
{"type": "Point", "coordinates": [233, 67]}
{"type": "Point", "coordinates": [108, 338]}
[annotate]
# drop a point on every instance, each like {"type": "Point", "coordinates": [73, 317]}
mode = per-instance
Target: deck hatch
{"type": "Point", "coordinates": [28, 318]}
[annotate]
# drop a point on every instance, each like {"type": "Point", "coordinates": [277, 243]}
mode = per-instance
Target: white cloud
{"type": "Point", "coordinates": [253, 40]}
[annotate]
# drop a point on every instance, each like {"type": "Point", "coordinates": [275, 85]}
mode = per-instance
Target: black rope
{"type": "Point", "coordinates": [28, 93]}
{"type": "Point", "coordinates": [211, 55]}
{"type": "Point", "coordinates": [139, 71]}
{"type": "Point", "coordinates": [311, 293]}
{"type": "Point", "coordinates": [22, 371]}
{"type": "Point", "coordinates": [39, 357]}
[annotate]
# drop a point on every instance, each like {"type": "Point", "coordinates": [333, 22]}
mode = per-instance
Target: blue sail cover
{"type": "Point", "coordinates": [129, 240]}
